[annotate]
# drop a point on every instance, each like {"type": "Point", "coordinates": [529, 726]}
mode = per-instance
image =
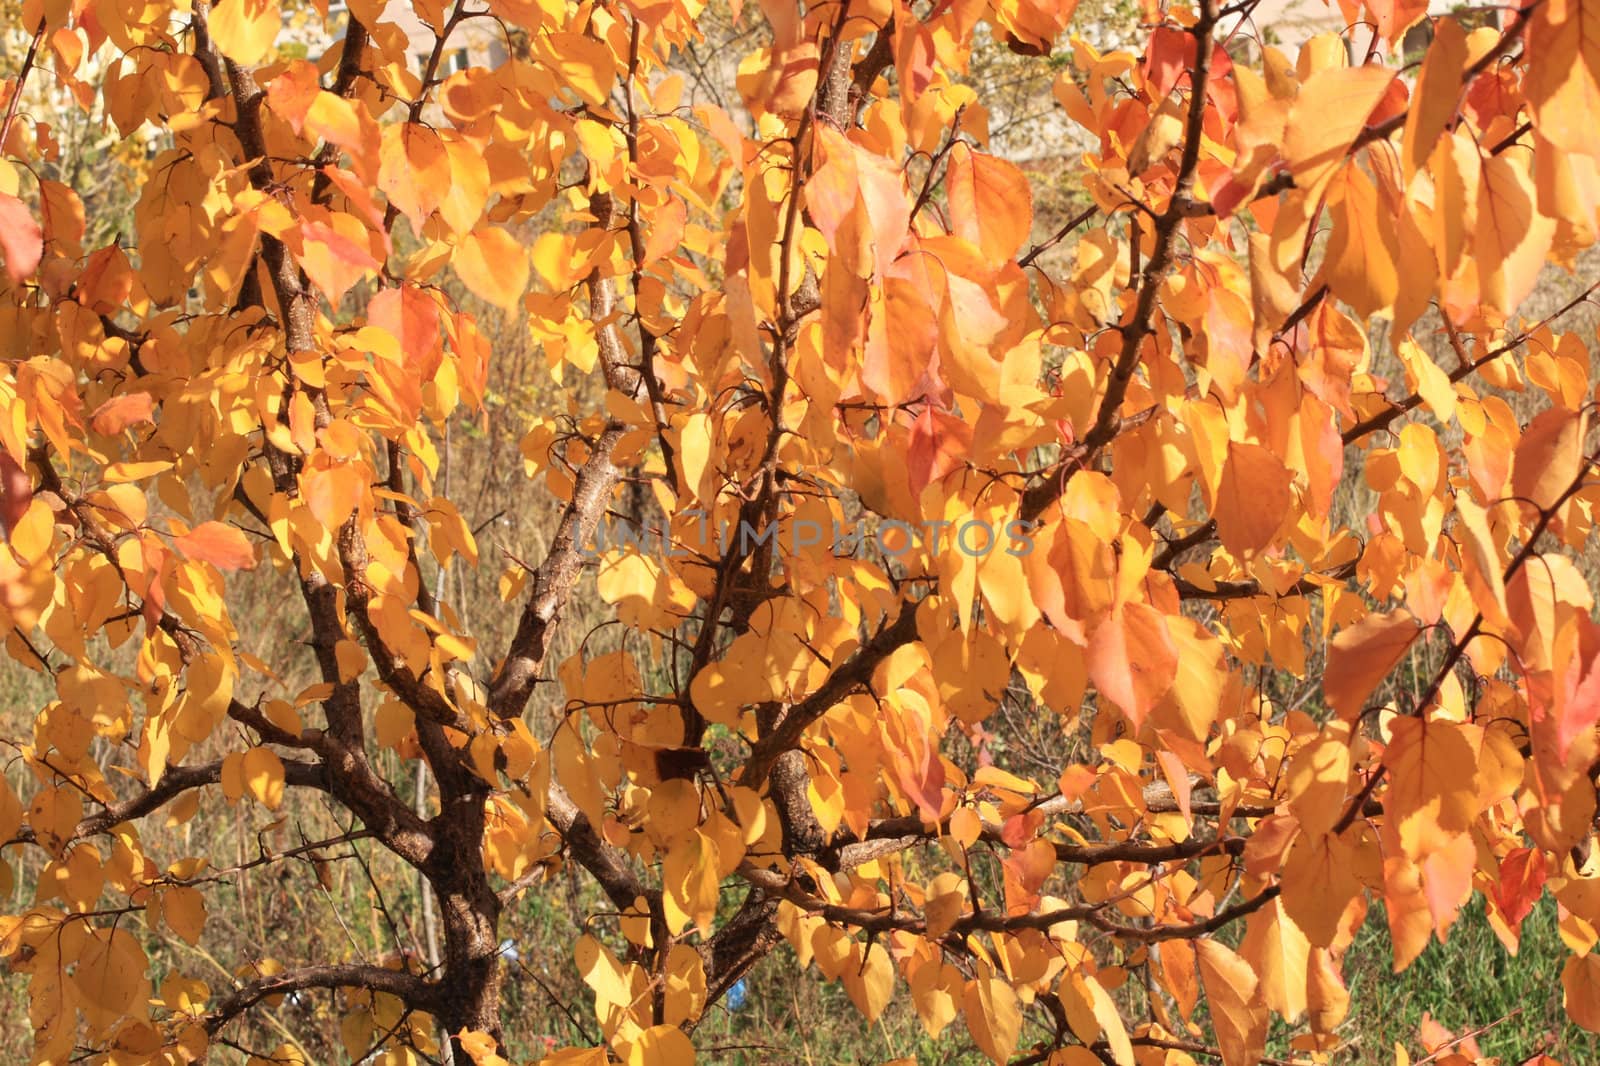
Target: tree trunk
{"type": "Point", "coordinates": [469, 914]}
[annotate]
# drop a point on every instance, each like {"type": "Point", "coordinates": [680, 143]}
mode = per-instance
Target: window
{"type": "Point", "coordinates": [450, 62]}
{"type": "Point", "coordinates": [1414, 45]}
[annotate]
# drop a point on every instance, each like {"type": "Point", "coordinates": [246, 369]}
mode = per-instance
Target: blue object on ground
{"type": "Point", "coordinates": [738, 994]}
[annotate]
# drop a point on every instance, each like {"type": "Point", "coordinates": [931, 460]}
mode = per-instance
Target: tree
{"type": "Point", "coordinates": [988, 616]}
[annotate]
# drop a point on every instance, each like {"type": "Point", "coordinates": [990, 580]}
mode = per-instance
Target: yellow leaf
{"type": "Point", "coordinates": [689, 874]}
{"type": "Point", "coordinates": [619, 988]}
{"type": "Point", "coordinates": [1317, 780]}
{"type": "Point", "coordinates": [1432, 794]}
{"type": "Point", "coordinates": [585, 64]}
{"type": "Point", "coordinates": [480, 1047]}
{"type": "Point", "coordinates": [1163, 133]}
{"type": "Point", "coordinates": [184, 910]}
{"type": "Point", "coordinates": [134, 471]}
{"type": "Point", "coordinates": [245, 29]}
{"type": "Point", "coordinates": [577, 1056]}
{"type": "Point", "coordinates": [262, 772]}
{"type": "Point", "coordinates": [695, 445]}
{"type": "Point", "coordinates": [870, 981]}
{"type": "Point", "coordinates": [1428, 379]}
{"type": "Point", "coordinates": [934, 986]}
{"type": "Point", "coordinates": [660, 1045]}
{"type": "Point", "coordinates": [493, 265]}
{"type": "Point", "coordinates": [110, 975]}
{"type": "Point", "coordinates": [1109, 1019]}
{"type": "Point", "coordinates": [685, 997]}
{"type": "Point", "coordinates": [994, 1014]}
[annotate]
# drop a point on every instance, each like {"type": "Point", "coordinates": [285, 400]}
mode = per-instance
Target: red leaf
{"type": "Point", "coordinates": [16, 491]}
{"type": "Point", "coordinates": [1522, 876]}
{"type": "Point", "coordinates": [939, 445]}
{"type": "Point", "coordinates": [411, 318]}
{"type": "Point", "coordinates": [1170, 55]}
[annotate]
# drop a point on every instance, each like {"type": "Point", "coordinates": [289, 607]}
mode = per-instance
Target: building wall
{"type": "Point", "coordinates": [1287, 24]}
{"type": "Point", "coordinates": [476, 42]}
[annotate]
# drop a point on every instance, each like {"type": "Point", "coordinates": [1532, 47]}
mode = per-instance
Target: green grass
{"type": "Point", "coordinates": [1467, 983]}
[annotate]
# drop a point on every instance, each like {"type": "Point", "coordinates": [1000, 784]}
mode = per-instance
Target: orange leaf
{"type": "Point", "coordinates": [1133, 659]}
{"type": "Point", "coordinates": [219, 544]}
{"type": "Point", "coordinates": [413, 170]}
{"type": "Point", "coordinates": [20, 238]}
{"type": "Point", "coordinates": [16, 491]}
{"type": "Point", "coordinates": [1521, 883]}
{"type": "Point", "coordinates": [1230, 984]}
{"type": "Point", "coordinates": [331, 492]}
{"type": "Point", "coordinates": [411, 317]}
{"type": "Point", "coordinates": [1362, 259]}
{"type": "Point", "coordinates": [1512, 236]}
{"type": "Point", "coordinates": [1253, 498]}
{"type": "Point", "coordinates": [1563, 84]}
{"type": "Point", "coordinates": [1327, 116]}
{"type": "Point", "coordinates": [1549, 457]}
{"type": "Point", "coordinates": [1361, 656]}
{"type": "Point", "coordinates": [332, 259]}
{"type": "Point", "coordinates": [290, 94]}
{"type": "Point", "coordinates": [666, 231]}
{"type": "Point", "coordinates": [900, 343]}
{"type": "Point", "coordinates": [120, 412]}
{"type": "Point", "coordinates": [1580, 991]}
{"type": "Point", "coordinates": [940, 443]}
{"type": "Point", "coordinates": [1433, 104]}
{"type": "Point", "coordinates": [1430, 798]}
{"type": "Point", "coordinates": [1319, 882]}
{"type": "Point", "coordinates": [991, 203]}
